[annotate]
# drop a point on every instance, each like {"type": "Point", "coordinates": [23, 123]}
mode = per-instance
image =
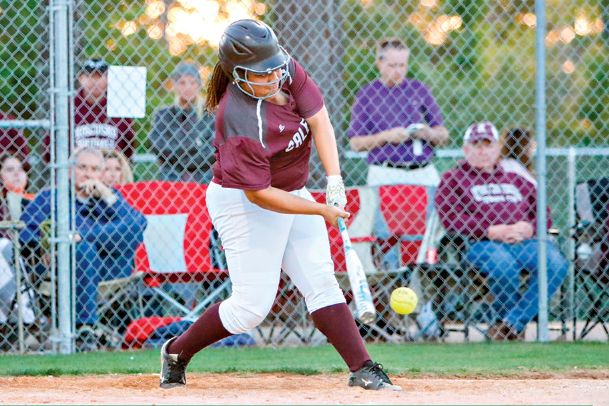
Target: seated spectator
{"type": "Point", "coordinates": [117, 170]}
{"type": "Point", "coordinates": [13, 183]}
{"type": "Point", "coordinates": [12, 140]}
{"type": "Point", "coordinates": [517, 153]}
{"type": "Point", "coordinates": [109, 230]}
{"type": "Point", "coordinates": [92, 126]}
{"type": "Point", "coordinates": [182, 134]}
{"type": "Point", "coordinates": [496, 212]}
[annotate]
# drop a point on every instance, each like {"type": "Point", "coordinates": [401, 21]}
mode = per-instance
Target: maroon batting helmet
{"type": "Point", "coordinates": [252, 46]}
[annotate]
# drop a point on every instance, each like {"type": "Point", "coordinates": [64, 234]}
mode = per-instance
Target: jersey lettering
{"type": "Point", "coordinates": [299, 137]}
{"type": "Point", "coordinates": [96, 135]}
{"type": "Point", "coordinates": [495, 193]}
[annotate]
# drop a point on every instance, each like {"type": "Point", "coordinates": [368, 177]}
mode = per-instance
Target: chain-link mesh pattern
{"type": "Point", "coordinates": [147, 259]}
{"type": "Point", "coordinates": [25, 309]}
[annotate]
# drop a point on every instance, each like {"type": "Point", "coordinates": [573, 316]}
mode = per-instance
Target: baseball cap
{"type": "Point", "coordinates": [186, 68]}
{"type": "Point", "coordinates": [95, 65]}
{"type": "Point", "coordinates": [484, 130]}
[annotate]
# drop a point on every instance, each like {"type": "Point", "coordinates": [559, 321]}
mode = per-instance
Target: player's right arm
{"type": "Point", "coordinates": [281, 201]}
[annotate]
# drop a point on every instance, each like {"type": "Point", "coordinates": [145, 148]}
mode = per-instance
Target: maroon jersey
{"type": "Point", "coordinates": [93, 128]}
{"type": "Point", "coordinates": [261, 144]}
{"type": "Point", "coordinates": [12, 140]}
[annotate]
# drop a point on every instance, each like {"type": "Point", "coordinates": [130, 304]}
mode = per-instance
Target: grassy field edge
{"type": "Point", "coordinates": [479, 359]}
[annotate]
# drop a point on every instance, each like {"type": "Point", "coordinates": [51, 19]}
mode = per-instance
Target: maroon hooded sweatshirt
{"type": "Point", "coordinates": [12, 140]}
{"type": "Point", "coordinates": [93, 128]}
{"type": "Point", "coordinates": [468, 201]}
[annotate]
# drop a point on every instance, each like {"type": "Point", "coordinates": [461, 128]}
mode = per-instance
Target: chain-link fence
{"type": "Point", "coordinates": [402, 81]}
{"type": "Point", "coordinates": [25, 305]}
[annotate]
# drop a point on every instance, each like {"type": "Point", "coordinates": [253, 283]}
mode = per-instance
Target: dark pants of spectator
{"type": "Point", "coordinates": [93, 266]}
{"type": "Point", "coordinates": [502, 263]}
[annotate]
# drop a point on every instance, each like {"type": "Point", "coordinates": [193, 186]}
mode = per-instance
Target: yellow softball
{"type": "Point", "coordinates": [403, 300]}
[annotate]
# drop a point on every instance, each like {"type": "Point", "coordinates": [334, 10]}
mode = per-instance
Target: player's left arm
{"type": "Point", "coordinates": [325, 141]}
{"type": "Point", "coordinates": [278, 200]}
{"type": "Point", "coordinates": [310, 105]}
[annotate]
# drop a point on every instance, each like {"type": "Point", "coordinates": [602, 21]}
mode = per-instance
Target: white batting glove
{"type": "Point", "coordinates": [335, 192]}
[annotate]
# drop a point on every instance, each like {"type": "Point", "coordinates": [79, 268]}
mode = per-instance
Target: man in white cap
{"type": "Point", "coordinates": [495, 211]}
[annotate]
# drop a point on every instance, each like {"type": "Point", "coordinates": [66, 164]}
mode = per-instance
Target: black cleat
{"type": "Point", "coordinates": [372, 377]}
{"type": "Point", "coordinates": [173, 371]}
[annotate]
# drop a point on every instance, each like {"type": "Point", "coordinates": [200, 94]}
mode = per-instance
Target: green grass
{"type": "Point", "coordinates": [413, 359]}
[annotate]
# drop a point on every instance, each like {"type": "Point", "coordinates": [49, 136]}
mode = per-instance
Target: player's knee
{"type": "Point", "coordinates": [327, 295]}
{"type": "Point", "coordinates": [239, 317]}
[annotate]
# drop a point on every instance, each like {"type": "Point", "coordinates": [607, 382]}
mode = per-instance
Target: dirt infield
{"type": "Point", "coordinates": [574, 388]}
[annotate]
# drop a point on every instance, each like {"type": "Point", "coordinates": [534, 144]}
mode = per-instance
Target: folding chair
{"type": "Point", "coordinates": [19, 309]}
{"type": "Point", "coordinates": [463, 294]}
{"type": "Point", "coordinates": [406, 229]}
{"type": "Point", "coordinates": [363, 204]}
{"type": "Point", "coordinates": [591, 256]}
{"type": "Point", "coordinates": [405, 211]}
{"type": "Point", "coordinates": [177, 248]}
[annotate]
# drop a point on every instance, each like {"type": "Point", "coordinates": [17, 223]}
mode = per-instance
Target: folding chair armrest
{"type": "Point", "coordinates": [591, 231]}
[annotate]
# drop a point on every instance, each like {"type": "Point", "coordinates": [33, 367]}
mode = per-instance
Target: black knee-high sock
{"type": "Point", "coordinates": [205, 331]}
{"type": "Point", "coordinates": [337, 324]}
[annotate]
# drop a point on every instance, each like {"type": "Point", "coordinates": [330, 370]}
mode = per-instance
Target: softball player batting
{"type": "Point", "coordinates": [267, 110]}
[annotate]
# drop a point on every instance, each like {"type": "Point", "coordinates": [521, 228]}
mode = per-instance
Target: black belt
{"type": "Point", "coordinates": [410, 166]}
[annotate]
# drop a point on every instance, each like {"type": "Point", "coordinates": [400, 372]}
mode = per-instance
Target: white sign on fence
{"type": "Point", "coordinates": [127, 91]}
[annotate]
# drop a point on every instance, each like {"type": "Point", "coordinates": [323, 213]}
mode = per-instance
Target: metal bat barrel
{"type": "Point", "coordinates": [357, 279]}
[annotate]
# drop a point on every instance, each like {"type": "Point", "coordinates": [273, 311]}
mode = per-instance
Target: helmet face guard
{"type": "Point", "coordinates": [250, 46]}
{"type": "Point", "coordinates": [240, 76]}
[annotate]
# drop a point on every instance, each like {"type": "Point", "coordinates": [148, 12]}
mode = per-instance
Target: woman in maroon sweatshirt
{"type": "Point", "coordinates": [496, 212]}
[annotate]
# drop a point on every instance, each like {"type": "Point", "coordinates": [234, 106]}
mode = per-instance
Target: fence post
{"type": "Point", "coordinates": [572, 178]}
{"type": "Point", "coordinates": [540, 129]}
{"type": "Point", "coordinates": [61, 93]}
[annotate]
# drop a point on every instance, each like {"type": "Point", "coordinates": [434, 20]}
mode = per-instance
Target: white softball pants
{"type": "Point", "coordinates": [259, 243]}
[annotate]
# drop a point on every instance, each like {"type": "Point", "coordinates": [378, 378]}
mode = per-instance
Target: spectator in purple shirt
{"type": "Point", "coordinates": [398, 122]}
{"type": "Point", "coordinates": [496, 212]}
